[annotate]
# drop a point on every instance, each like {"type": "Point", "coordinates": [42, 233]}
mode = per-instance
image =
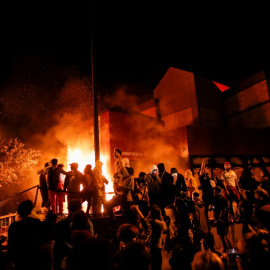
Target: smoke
{"type": "Point", "coordinates": [48, 109]}
{"type": "Point", "coordinates": [51, 109]}
{"type": "Point", "coordinates": [121, 98]}
{"type": "Point", "coordinates": [143, 135]}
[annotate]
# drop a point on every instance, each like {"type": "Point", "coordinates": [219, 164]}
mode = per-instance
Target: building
{"type": "Point", "coordinates": [190, 119]}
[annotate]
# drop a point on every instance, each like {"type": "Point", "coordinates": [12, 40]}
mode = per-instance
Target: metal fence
{"type": "Point", "coordinates": [9, 206]}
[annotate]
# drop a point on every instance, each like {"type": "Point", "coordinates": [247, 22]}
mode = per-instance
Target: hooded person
{"type": "Point", "coordinates": [154, 183]}
{"type": "Point", "coordinates": [179, 183]}
{"type": "Point", "coordinates": [191, 183]}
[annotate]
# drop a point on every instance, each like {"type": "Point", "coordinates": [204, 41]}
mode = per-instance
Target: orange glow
{"type": "Point", "coordinates": [83, 156]}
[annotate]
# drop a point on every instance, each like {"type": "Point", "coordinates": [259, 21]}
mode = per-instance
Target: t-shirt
{"type": "Point", "coordinates": [229, 177]}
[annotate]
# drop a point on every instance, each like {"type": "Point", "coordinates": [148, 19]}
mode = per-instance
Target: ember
{"type": "Point", "coordinates": [83, 157]}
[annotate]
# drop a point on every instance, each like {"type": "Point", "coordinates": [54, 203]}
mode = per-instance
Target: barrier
{"type": "Point", "coordinates": [9, 206]}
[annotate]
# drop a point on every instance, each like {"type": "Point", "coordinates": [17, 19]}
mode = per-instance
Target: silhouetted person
{"type": "Point", "coordinates": [179, 183]}
{"type": "Point", "coordinates": [90, 191]}
{"type": "Point", "coordinates": [82, 228]}
{"type": "Point", "coordinates": [158, 224]}
{"type": "Point", "coordinates": [47, 239]}
{"type": "Point", "coordinates": [63, 241]}
{"type": "Point", "coordinates": [24, 239]}
{"type": "Point", "coordinates": [221, 215]}
{"type": "Point", "coordinates": [44, 187]}
{"type": "Point", "coordinates": [53, 179]}
{"type": "Point", "coordinates": [207, 189]}
{"type": "Point", "coordinates": [135, 256]}
{"type": "Point", "coordinates": [167, 197]}
{"type": "Point", "coordinates": [126, 234]}
{"type": "Point", "coordinates": [140, 195]}
{"type": "Point", "coordinates": [73, 183]}
{"type": "Point", "coordinates": [247, 181]}
{"type": "Point", "coordinates": [247, 216]}
{"type": "Point", "coordinates": [100, 180]}
{"type": "Point", "coordinates": [94, 254]}
{"type": "Point", "coordinates": [153, 182]}
{"type": "Point", "coordinates": [261, 198]}
{"type": "Point", "coordinates": [204, 260]}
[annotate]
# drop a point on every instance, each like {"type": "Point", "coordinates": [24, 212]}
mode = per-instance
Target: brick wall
{"type": "Point", "coordinates": [249, 108]}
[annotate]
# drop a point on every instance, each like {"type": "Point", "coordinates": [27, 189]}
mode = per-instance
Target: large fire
{"type": "Point", "coordinates": [83, 157]}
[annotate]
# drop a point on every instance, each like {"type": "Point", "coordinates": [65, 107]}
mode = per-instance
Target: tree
{"type": "Point", "coordinates": [15, 160]}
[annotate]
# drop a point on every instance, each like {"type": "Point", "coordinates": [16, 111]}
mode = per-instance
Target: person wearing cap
{"type": "Point", "coordinates": [73, 183]}
{"type": "Point", "coordinates": [154, 183]}
{"type": "Point", "coordinates": [231, 186]}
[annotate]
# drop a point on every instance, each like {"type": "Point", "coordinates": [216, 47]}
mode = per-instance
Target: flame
{"type": "Point", "coordinates": [83, 157]}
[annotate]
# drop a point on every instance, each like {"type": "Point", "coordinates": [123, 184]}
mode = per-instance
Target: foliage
{"type": "Point", "coordinates": [15, 160]}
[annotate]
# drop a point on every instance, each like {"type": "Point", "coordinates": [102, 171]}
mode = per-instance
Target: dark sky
{"type": "Point", "coordinates": [45, 44]}
{"type": "Point", "coordinates": [45, 56]}
{"type": "Point", "coordinates": [136, 43]}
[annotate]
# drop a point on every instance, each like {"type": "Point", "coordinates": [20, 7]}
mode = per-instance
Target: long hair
{"type": "Point", "coordinates": [155, 212]}
{"type": "Point", "coordinates": [205, 260]}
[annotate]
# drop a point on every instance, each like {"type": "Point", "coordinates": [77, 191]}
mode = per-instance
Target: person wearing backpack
{"type": "Point", "coordinates": [53, 179]}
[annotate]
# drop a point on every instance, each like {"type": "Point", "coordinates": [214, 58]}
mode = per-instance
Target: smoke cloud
{"type": "Point", "coordinates": [51, 109]}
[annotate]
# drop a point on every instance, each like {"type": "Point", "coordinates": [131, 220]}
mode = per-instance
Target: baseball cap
{"type": "Point", "coordinates": [74, 164]}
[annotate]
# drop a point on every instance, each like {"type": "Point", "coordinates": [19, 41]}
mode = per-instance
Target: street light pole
{"type": "Point", "coordinates": [95, 101]}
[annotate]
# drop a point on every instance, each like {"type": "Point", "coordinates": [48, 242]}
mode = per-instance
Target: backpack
{"type": "Point", "coordinates": [53, 178]}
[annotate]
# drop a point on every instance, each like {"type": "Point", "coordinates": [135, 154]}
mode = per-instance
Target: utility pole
{"type": "Point", "coordinates": [96, 122]}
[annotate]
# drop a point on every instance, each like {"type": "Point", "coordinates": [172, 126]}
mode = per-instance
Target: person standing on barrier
{"type": "Point", "coordinates": [123, 186]}
{"type": "Point", "coordinates": [53, 179]}
{"type": "Point", "coordinates": [73, 183]}
{"type": "Point", "coordinates": [100, 180]}
{"type": "Point", "coordinates": [90, 191]}
{"type": "Point", "coordinates": [43, 187]}
{"type": "Point", "coordinates": [60, 193]}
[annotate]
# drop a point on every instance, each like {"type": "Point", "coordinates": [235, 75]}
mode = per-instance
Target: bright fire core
{"type": "Point", "coordinates": [84, 157]}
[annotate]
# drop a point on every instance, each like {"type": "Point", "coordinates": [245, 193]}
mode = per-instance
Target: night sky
{"type": "Point", "coordinates": [44, 45]}
{"type": "Point", "coordinates": [45, 58]}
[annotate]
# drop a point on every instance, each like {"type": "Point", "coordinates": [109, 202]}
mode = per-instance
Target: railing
{"type": "Point", "coordinates": [5, 221]}
{"type": "Point", "coordinates": [9, 206]}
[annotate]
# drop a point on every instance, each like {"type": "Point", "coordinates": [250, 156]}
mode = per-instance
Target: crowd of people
{"type": "Point", "coordinates": [157, 211]}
